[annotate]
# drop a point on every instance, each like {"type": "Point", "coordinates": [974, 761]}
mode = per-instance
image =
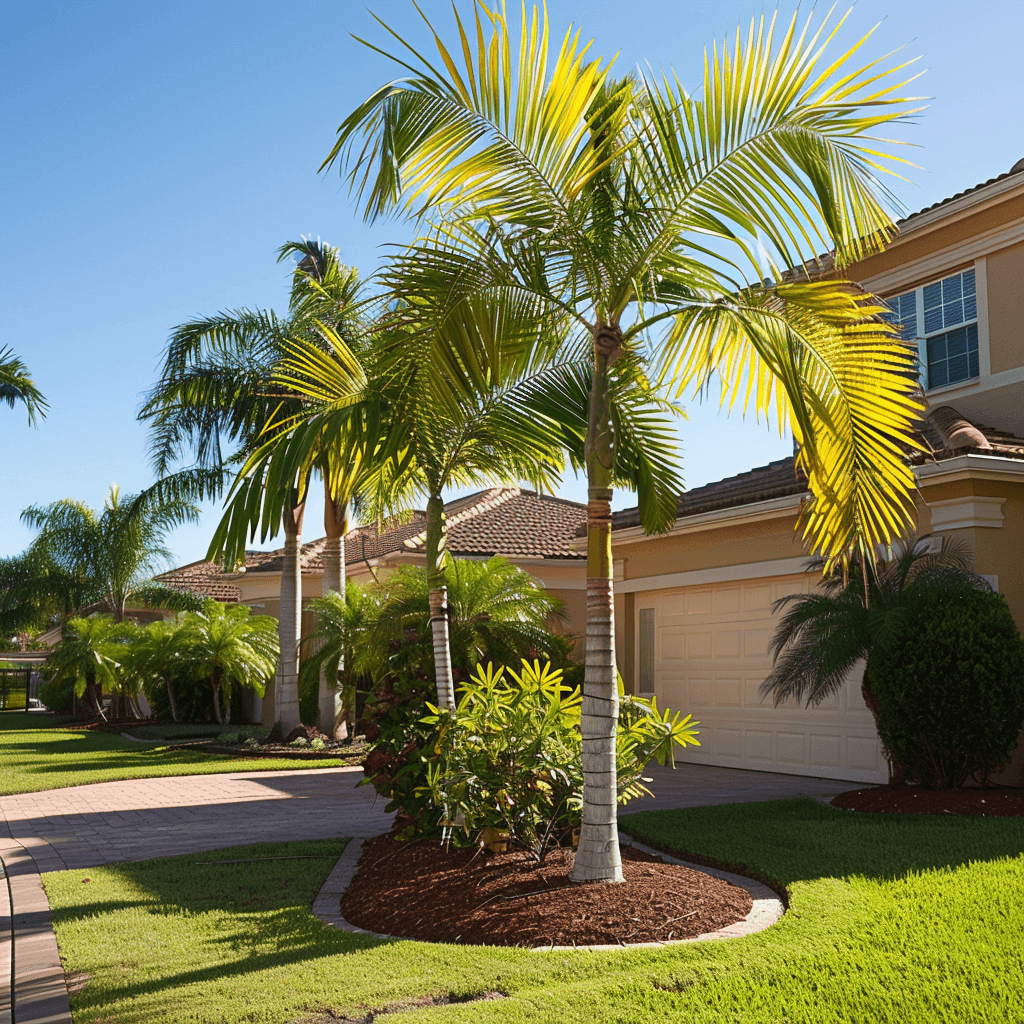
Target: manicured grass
{"type": "Point", "coordinates": [34, 758]}
{"type": "Point", "coordinates": [892, 920]}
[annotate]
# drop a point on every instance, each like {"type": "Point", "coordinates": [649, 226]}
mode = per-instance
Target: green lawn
{"type": "Point", "coordinates": [34, 758]}
{"type": "Point", "coordinates": [892, 919]}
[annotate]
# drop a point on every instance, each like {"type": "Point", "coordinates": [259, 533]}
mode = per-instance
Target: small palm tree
{"type": "Point", "coordinates": [161, 654]}
{"type": "Point", "coordinates": [17, 386]}
{"type": "Point", "coordinates": [109, 556]}
{"type": "Point", "coordinates": [231, 647]}
{"type": "Point", "coordinates": [90, 654]}
{"type": "Point", "coordinates": [825, 633]}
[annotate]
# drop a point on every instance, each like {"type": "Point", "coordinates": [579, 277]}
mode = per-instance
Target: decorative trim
{"type": "Point", "coordinates": [962, 513]}
{"type": "Point", "coordinates": [936, 264]}
{"type": "Point", "coordinates": [972, 467]}
{"type": "Point", "coordinates": [956, 209]}
{"type": "Point", "coordinates": [718, 574]}
{"type": "Point", "coordinates": [981, 302]}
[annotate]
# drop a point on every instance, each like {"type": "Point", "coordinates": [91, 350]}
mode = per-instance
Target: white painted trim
{"type": "Point", "coordinates": [718, 574]}
{"type": "Point", "coordinates": [937, 264]}
{"type": "Point", "coordinates": [981, 301]}
{"type": "Point", "coordinates": [978, 385]}
{"type": "Point", "coordinates": [961, 513]}
{"type": "Point", "coordinates": [774, 508]}
{"type": "Point", "coordinates": [973, 466]}
{"type": "Point", "coordinates": [957, 209]}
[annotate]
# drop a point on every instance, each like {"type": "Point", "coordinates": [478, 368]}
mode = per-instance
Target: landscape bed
{"type": "Point", "coordinates": [420, 890]}
{"type": "Point", "coordinates": [991, 803]}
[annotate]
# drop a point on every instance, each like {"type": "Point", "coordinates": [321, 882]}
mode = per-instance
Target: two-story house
{"type": "Point", "coordinates": [693, 607]}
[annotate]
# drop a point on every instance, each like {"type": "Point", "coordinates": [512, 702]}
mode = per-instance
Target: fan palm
{"type": "Point", "coordinates": [16, 385]}
{"type": "Point", "coordinates": [216, 392]}
{"type": "Point", "coordinates": [111, 555]}
{"type": "Point", "coordinates": [651, 217]}
{"type": "Point", "coordinates": [824, 634]}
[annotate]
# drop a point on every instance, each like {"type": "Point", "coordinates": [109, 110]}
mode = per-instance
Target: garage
{"type": "Point", "coordinates": [703, 650]}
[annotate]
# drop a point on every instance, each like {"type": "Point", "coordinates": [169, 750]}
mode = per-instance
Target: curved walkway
{"type": "Point", "coordinates": [109, 822]}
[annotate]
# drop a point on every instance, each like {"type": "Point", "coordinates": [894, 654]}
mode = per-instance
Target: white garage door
{"type": "Point", "coordinates": [710, 655]}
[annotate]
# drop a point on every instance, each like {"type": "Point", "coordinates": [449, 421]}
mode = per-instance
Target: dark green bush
{"type": "Point", "coordinates": [57, 693]}
{"type": "Point", "coordinates": [194, 698]}
{"type": "Point", "coordinates": [950, 689]}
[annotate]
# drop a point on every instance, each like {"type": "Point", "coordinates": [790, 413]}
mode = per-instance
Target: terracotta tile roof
{"type": "Point", "coordinates": [207, 579]}
{"type": "Point", "coordinates": [500, 520]}
{"type": "Point", "coordinates": [942, 436]}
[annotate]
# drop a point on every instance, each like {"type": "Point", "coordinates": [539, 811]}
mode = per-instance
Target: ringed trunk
{"type": "Point", "coordinates": [598, 858]}
{"type": "Point", "coordinates": [215, 683]}
{"type": "Point", "coordinates": [331, 700]}
{"type": "Point", "coordinates": [437, 542]}
{"type": "Point", "coordinates": [286, 681]}
{"type": "Point", "coordinates": [171, 700]}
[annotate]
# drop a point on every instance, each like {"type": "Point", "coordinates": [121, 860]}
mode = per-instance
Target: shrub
{"type": "Point", "coordinates": [299, 741]}
{"type": "Point", "coordinates": [508, 760]}
{"type": "Point", "coordinates": [950, 689]}
{"type": "Point", "coordinates": [317, 743]}
{"type": "Point", "coordinates": [57, 694]}
{"type": "Point", "coordinates": [228, 737]}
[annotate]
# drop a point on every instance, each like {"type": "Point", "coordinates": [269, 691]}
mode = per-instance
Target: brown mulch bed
{"type": "Point", "coordinates": [420, 891]}
{"type": "Point", "coordinates": [992, 803]}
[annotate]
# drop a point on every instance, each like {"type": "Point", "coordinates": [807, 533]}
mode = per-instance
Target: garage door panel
{"type": "Point", "coordinates": [711, 658]}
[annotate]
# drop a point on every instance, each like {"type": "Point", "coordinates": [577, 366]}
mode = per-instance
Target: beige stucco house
{"type": "Point", "coordinates": [693, 607]}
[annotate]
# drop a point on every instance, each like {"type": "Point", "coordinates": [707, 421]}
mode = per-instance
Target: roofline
{"type": "Point", "coordinates": [960, 206]}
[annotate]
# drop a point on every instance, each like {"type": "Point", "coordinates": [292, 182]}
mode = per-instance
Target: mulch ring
{"type": "Point", "coordinates": [348, 751]}
{"type": "Point", "coordinates": [421, 891]}
{"type": "Point", "coordinates": [992, 803]}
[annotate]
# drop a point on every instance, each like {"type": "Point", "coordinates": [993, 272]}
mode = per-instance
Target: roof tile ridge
{"type": "Point", "coordinates": [496, 496]}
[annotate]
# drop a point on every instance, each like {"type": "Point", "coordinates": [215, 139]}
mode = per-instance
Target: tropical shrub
{"type": "Point", "coordinates": [57, 694]}
{"type": "Point", "coordinates": [950, 689]}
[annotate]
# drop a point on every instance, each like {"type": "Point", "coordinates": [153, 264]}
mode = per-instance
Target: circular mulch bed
{"type": "Point", "coordinates": [420, 891]}
{"type": "Point", "coordinates": [992, 803]}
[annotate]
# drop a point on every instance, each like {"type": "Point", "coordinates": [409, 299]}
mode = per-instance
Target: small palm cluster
{"type": "Point", "coordinates": [222, 647]}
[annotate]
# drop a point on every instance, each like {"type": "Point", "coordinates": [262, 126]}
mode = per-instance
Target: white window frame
{"type": "Point", "coordinates": [921, 340]}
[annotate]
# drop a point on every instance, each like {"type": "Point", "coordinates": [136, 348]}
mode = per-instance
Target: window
{"type": "Point", "coordinates": [646, 650]}
{"type": "Point", "coordinates": [948, 312]}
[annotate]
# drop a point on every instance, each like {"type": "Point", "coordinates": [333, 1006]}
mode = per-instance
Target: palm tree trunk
{"type": "Point", "coordinates": [171, 700]}
{"type": "Point", "coordinates": [597, 859]}
{"type": "Point", "coordinates": [215, 683]}
{"type": "Point", "coordinates": [437, 542]}
{"type": "Point", "coordinates": [331, 697]}
{"type": "Point", "coordinates": [289, 622]}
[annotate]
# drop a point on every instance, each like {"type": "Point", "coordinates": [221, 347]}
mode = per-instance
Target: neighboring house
{"type": "Point", "coordinates": [534, 531]}
{"type": "Point", "coordinates": [693, 606]}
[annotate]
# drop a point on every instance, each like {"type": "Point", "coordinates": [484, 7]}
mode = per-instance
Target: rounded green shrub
{"type": "Point", "coordinates": [57, 693]}
{"type": "Point", "coordinates": [950, 689]}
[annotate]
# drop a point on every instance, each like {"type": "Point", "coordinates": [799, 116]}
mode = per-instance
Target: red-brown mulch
{"type": "Point", "coordinates": [420, 891]}
{"type": "Point", "coordinates": [993, 803]}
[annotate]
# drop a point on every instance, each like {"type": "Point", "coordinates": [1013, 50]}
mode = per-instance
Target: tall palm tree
{"type": "Point", "coordinates": [16, 385]}
{"type": "Point", "coordinates": [111, 555]}
{"type": "Point", "coordinates": [652, 217]}
{"type": "Point", "coordinates": [825, 633]}
{"type": "Point", "coordinates": [215, 398]}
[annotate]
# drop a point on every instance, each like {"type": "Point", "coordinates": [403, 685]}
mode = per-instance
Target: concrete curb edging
{"type": "Point", "coordinates": [766, 911]}
{"type": "Point", "coordinates": [30, 958]}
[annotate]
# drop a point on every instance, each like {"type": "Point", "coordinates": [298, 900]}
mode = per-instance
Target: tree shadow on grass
{"type": "Point", "coordinates": [801, 840]}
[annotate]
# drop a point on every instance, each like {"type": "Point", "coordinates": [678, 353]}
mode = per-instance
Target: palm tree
{"type": "Point", "coordinates": [217, 392]}
{"type": "Point", "coordinates": [17, 386]}
{"type": "Point", "coordinates": [90, 653]}
{"type": "Point", "coordinates": [161, 654]}
{"type": "Point", "coordinates": [650, 217]}
{"type": "Point", "coordinates": [228, 645]}
{"type": "Point", "coordinates": [109, 556]}
{"type": "Point", "coordinates": [824, 634]}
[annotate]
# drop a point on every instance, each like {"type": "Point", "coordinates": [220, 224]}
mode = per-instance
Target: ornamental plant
{"type": "Point", "coordinates": [950, 689]}
{"type": "Point", "coordinates": [508, 761]}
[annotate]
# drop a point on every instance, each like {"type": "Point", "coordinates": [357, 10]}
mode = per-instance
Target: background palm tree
{"type": "Point", "coordinates": [639, 211]}
{"type": "Point", "coordinates": [16, 385]}
{"type": "Point", "coordinates": [824, 634]}
{"type": "Point", "coordinates": [111, 555]}
{"type": "Point", "coordinates": [215, 398]}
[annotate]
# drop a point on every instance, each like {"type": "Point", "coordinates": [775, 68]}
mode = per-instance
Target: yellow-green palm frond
{"type": "Point", "coordinates": [822, 358]}
{"type": "Point", "coordinates": [483, 127]}
{"type": "Point", "coordinates": [781, 144]}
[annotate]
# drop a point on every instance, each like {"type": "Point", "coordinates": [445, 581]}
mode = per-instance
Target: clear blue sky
{"type": "Point", "coordinates": [156, 154]}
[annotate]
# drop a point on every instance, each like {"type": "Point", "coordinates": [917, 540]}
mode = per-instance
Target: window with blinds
{"type": "Point", "coordinates": [942, 318]}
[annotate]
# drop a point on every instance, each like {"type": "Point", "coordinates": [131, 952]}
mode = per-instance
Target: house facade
{"type": "Point", "coordinates": [693, 607]}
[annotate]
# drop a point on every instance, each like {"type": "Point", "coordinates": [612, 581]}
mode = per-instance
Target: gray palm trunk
{"type": "Point", "coordinates": [286, 681]}
{"type": "Point", "coordinates": [331, 701]}
{"type": "Point", "coordinates": [437, 542]}
{"type": "Point", "coordinates": [598, 858]}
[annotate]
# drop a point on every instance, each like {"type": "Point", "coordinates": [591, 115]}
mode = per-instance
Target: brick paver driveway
{"type": "Point", "coordinates": [106, 822]}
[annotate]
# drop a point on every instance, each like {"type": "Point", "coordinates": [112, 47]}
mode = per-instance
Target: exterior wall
{"type": "Point", "coordinates": [1005, 271]}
